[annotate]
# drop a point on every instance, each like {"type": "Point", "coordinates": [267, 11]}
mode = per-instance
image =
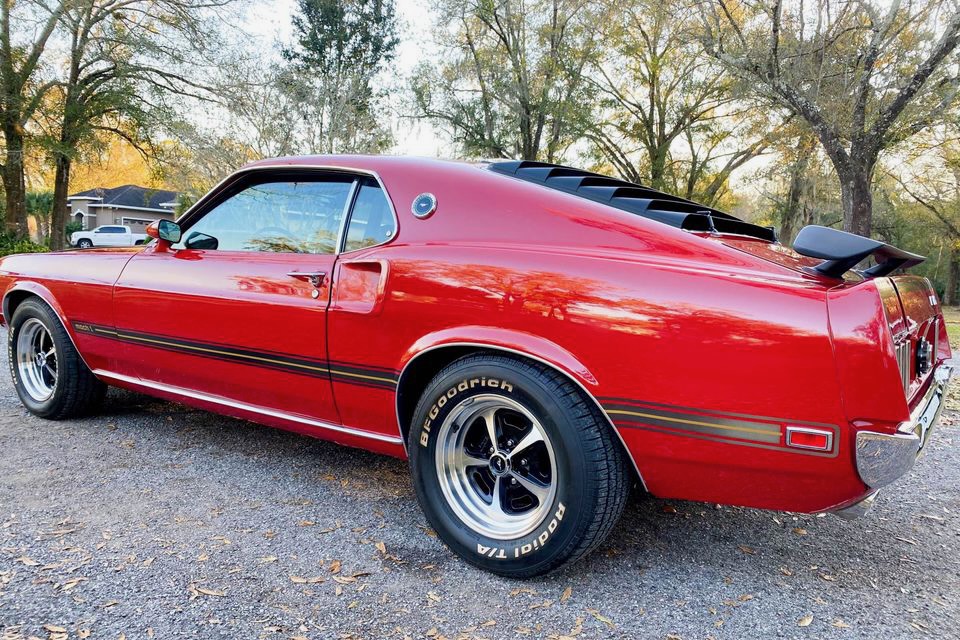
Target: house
{"type": "Point", "coordinates": [131, 205]}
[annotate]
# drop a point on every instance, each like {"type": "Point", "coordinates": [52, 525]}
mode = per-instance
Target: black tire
{"type": "Point", "coordinates": [85, 243]}
{"type": "Point", "coordinates": [591, 476]}
{"type": "Point", "coordinates": [76, 391]}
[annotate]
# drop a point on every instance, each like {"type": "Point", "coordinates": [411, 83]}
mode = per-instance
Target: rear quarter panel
{"type": "Point", "coordinates": [636, 333]}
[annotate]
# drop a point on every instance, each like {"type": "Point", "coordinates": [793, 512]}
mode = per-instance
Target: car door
{"type": "Point", "coordinates": [237, 309]}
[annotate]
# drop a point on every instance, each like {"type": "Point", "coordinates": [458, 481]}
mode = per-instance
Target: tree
{"type": "Point", "coordinates": [865, 75]}
{"type": "Point", "coordinates": [511, 81]}
{"type": "Point", "coordinates": [121, 54]}
{"type": "Point", "coordinates": [932, 180]}
{"type": "Point", "coordinates": [341, 48]}
{"type": "Point", "coordinates": [669, 117]}
{"type": "Point", "coordinates": [21, 92]}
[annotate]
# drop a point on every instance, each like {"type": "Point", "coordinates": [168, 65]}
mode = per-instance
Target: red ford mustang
{"type": "Point", "coordinates": [534, 338]}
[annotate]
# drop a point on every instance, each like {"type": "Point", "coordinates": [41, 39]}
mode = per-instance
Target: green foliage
{"type": "Point", "coordinates": [10, 244]}
{"type": "Point", "coordinates": [72, 227]}
{"type": "Point", "coordinates": [40, 204]}
{"type": "Point", "coordinates": [336, 35]}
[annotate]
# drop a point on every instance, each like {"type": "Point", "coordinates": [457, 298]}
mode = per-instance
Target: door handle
{"type": "Point", "coordinates": [315, 278]}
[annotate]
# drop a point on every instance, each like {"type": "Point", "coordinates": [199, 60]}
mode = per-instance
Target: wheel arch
{"type": "Point", "coordinates": [429, 356]}
{"type": "Point", "coordinates": [23, 290]}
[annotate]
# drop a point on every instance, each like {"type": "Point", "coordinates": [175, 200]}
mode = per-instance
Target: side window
{"type": "Point", "coordinates": [279, 216]}
{"type": "Point", "coordinates": [371, 222]}
{"type": "Point", "coordinates": [114, 230]}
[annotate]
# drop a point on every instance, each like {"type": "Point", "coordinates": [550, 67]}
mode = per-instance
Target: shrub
{"type": "Point", "coordinates": [10, 243]}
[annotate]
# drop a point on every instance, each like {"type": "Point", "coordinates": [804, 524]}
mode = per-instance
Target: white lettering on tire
{"type": "Point", "coordinates": [464, 385]}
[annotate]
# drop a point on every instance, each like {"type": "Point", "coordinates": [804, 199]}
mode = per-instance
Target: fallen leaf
{"type": "Point", "coordinates": [799, 531]}
{"type": "Point", "coordinates": [335, 566]}
{"type": "Point", "coordinates": [602, 618]}
{"type": "Point", "coordinates": [268, 559]}
{"type": "Point", "coordinates": [195, 591]}
{"type": "Point", "coordinates": [432, 595]}
{"type": "Point", "coordinates": [805, 621]}
{"type": "Point", "coordinates": [52, 628]}
{"type": "Point", "coordinates": [840, 624]}
{"type": "Point", "coordinates": [70, 584]}
{"type": "Point", "coordinates": [745, 597]}
{"type": "Point", "coordinates": [827, 577]}
{"type": "Point", "coordinates": [566, 594]}
{"type": "Point", "coordinates": [30, 562]}
{"type": "Point", "coordinates": [746, 549]}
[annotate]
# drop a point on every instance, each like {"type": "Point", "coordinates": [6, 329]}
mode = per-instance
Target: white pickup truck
{"type": "Point", "coordinates": [110, 235]}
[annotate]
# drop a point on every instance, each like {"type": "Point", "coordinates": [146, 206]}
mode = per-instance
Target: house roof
{"type": "Point", "coordinates": [129, 195]}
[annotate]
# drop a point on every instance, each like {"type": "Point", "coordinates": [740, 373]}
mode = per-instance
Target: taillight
{"type": "Point", "coordinates": [809, 438]}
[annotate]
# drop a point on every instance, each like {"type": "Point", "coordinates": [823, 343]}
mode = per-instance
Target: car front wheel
{"type": "Point", "coordinates": [514, 466]}
{"type": "Point", "coordinates": [85, 243]}
{"type": "Point", "coordinates": [48, 374]}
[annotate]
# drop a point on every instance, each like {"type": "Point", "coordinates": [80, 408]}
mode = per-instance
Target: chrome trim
{"type": "Point", "coordinates": [903, 352]}
{"type": "Point", "coordinates": [792, 429]}
{"type": "Point", "coordinates": [525, 355]}
{"type": "Point", "coordinates": [243, 406]}
{"type": "Point", "coordinates": [882, 458]}
{"type": "Point", "coordinates": [347, 214]}
{"type": "Point", "coordinates": [858, 509]}
{"type": "Point", "coordinates": [308, 167]}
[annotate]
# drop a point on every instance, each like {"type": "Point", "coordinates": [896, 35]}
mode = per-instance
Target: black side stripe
{"type": "Point", "coordinates": [371, 377]}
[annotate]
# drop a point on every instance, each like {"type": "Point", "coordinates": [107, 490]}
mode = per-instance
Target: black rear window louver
{"type": "Point", "coordinates": [627, 196]}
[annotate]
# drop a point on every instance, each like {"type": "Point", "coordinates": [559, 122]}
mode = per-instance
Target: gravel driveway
{"type": "Point", "coordinates": [155, 520]}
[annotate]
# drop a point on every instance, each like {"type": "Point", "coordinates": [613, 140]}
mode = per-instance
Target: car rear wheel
{"type": "Point", "coordinates": [48, 374]}
{"type": "Point", "coordinates": [85, 243]}
{"type": "Point", "coordinates": [514, 466]}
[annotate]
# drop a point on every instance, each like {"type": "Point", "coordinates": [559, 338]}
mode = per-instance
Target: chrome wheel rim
{"type": "Point", "coordinates": [496, 466]}
{"type": "Point", "coordinates": [37, 360]}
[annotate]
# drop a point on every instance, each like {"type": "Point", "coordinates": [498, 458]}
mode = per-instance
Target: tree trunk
{"type": "Point", "coordinates": [14, 185]}
{"type": "Point", "coordinates": [857, 196]}
{"type": "Point", "coordinates": [58, 215]}
{"type": "Point", "coordinates": [953, 276]}
{"type": "Point", "coordinates": [792, 210]}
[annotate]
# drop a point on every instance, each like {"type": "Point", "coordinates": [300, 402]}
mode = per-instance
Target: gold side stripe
{"type": "Point", "coordinates": [357, 375]}
{"type": "Point", "coordinates": [712, 425]}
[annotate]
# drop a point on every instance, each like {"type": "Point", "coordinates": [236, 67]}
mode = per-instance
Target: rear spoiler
{"type": "Point", "coordinates": [842, 251]}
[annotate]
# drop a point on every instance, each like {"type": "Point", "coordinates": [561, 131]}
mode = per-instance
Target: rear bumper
{"type": "Point", "coordinates": [883, 458]}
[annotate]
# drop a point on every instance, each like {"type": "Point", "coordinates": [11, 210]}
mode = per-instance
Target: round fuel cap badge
{"type": "Point", "coordinates": [424, 205]}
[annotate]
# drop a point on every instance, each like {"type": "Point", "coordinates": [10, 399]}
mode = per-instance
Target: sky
{"type": "Point", "coordinates": [270, 21]}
